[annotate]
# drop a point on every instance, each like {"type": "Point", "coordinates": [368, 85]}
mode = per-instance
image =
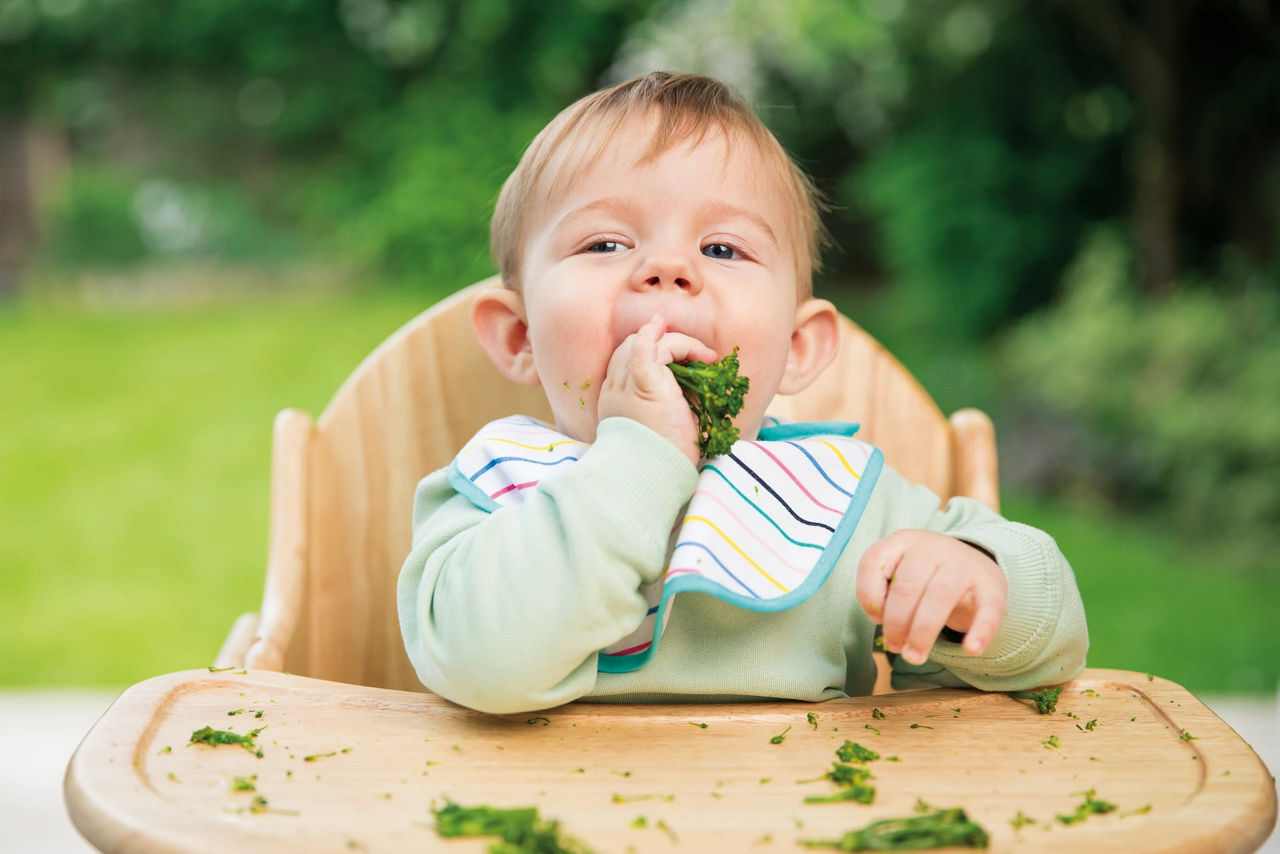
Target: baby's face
{"type": "Point", "coordinates": [697, 238]}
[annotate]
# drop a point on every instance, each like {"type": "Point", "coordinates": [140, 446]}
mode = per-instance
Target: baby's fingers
{"type": "Point", "coordinates": [875, 569]}
{"type": "Point", "coordinates": [945, 590]}
{"type": "Point", "coordinates": [678, 347]}
{"type": "Point", "coordinates": [637, 352]}
{"type": "Point", "coordinates": [986, 620]}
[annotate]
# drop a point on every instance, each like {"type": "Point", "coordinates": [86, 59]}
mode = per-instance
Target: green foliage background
{"type": "Point", "coordinates": [986, 162]}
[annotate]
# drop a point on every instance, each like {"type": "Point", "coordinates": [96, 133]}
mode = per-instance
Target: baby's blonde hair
{"type": "Point", "coordinates": [688, 106]}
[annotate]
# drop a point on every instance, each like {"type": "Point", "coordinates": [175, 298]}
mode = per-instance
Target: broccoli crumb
{"type": "Point", "coordinates": [699, 725]}
{"type": "Point", "coordinates": [1021, 820]}
{"type": "Point", "coordinates": [214, 737]}
{"type": "Point", "coordinates": [244, 784]}
{"type": "Point", "coordinates": [813, 720]}
{"type": "Point", "coordinates": [877, 714]}
{"type": "Point", "coordinates": [539, 720]}
{"type": "Point", "coordinates": [1051, 742]}
{"type": "Point", "coordinates": [626, 799]}
{"type": "Point", "coordinates": [1089, 806]}
{"type": "Point", "coordinates": [780, 737]}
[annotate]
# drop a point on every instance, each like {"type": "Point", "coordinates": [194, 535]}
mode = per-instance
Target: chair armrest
{"type": "Point", "coordinates": [238, 640]}
{"type": "Point", "coordinates": [976, 464]}
{"type": "Point", "coordinates": [287, 552]}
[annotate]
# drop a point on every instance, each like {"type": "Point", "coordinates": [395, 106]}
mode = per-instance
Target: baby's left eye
{"type": "Point", "coordinates": [722, 251]}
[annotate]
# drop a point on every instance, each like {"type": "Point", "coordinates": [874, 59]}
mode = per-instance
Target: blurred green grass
{"type": "Point", "coordinates": [134, 458]}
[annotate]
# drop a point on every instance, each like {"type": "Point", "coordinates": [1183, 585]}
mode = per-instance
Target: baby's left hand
{"type": "Point", "coordinates": [916, 581]}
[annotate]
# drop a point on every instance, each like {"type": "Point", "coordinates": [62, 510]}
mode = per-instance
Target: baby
{"type": "Point", "coordinates": [659, 221]}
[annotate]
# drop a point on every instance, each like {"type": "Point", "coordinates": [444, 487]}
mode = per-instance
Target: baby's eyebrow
{"type": "Point", "coordinates": [720, 209]}
{"type": "Point", "coordinates": [607, 204]}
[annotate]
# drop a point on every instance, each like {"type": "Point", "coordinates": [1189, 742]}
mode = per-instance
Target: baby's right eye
{"type": "Point", "coordinates": [604, 246]}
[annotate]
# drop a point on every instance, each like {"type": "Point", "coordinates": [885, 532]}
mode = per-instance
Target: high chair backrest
{"type": "Point", "coordinates": [342, 487]}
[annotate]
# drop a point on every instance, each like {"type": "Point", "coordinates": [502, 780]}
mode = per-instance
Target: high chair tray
{"type": "Point", "coordinates": [353, 768]}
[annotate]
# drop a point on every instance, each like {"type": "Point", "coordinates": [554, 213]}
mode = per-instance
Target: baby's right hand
{"type": "Point", "coordinates": [638, 384]}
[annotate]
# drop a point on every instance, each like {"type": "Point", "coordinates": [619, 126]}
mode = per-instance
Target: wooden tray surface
{"type": "Point", "coordinates": [379, 759]}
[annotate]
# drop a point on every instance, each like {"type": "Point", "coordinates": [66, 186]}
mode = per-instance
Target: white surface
{"type": "Point", "coordinates": [39, 730]}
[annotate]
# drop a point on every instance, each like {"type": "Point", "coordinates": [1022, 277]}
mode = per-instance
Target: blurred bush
{"type": "Point", "coordinates": [104, 216]}
{"type": "Point", "coordinates": [1174, 400]}
{"type": "Point", "coordinates": [90, 221]}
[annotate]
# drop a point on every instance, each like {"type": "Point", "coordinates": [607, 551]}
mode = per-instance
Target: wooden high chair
{"type": "Point", "coordinates": [342, 487]}
{"type": "Point", "coordinates": [344, 766]}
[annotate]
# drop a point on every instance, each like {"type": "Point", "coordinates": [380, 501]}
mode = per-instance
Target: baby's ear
{"type": "Point", "coordinates": [813, 345]}
{"type": "Point", "coordinates": [498, 318]}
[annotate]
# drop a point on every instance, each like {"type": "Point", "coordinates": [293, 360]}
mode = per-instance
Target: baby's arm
{"type": "Point", "coordinates": [505, 611]}
{"type": "Point", "coordinates": [1004, 586]}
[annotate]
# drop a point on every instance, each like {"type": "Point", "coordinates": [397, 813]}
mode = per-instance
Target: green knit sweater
{"type": "Point", "coordinates": [505, 611]}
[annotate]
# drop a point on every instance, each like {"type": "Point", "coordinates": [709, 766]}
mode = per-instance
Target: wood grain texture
{"type": "Point", "coordinates": [342, 491]}
{"type": "Point", "coordinates": [381, 758]}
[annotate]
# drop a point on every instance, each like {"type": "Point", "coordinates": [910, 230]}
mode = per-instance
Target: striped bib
{"type": "Point", "coordinates": [764, 528]}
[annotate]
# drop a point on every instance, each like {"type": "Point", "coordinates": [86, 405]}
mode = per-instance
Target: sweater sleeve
{"type": "Point", "coordinates": [1042, 638]}
{"type": "Point", "coordinates": [505, 611]}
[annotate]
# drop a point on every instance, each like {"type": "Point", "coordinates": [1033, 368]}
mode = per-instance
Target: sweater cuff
{"type": "Point", "coordinates": [1031, 564]}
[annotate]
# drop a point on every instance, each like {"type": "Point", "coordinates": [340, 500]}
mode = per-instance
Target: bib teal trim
{"type": "Point", "coordinates": [782, 431]}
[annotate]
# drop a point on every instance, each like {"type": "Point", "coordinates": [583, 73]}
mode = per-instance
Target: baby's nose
{"type": "Point", "coordinates": [668, 270]}
{"type": "Point", "coordinates": [678, 281]}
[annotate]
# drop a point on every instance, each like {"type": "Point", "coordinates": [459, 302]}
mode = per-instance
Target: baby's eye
{"type": "Point", "coordinates": [605, 246]}
{"type": "Point", "coordinates": [723, 251]}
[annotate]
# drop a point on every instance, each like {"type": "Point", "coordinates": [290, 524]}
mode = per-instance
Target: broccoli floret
{"type": "Point", "coordinates": [850, 752]}
{"type": "Point", "coordinates": [521, 829]}
{"type": "Point", "coordinates": [1046, 701]}
{"type": "Point", "coordinates": [932, 830]}
{"type": "Point", "coordinates": [715, 393]}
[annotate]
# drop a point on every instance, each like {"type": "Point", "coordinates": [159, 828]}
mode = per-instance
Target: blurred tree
{"type": "Point", "coordinates": [1206, 81]}
{"type": "Point", "coordinates": [329, 112]}
{"type": "Point", "coordinates": [970, 144]}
